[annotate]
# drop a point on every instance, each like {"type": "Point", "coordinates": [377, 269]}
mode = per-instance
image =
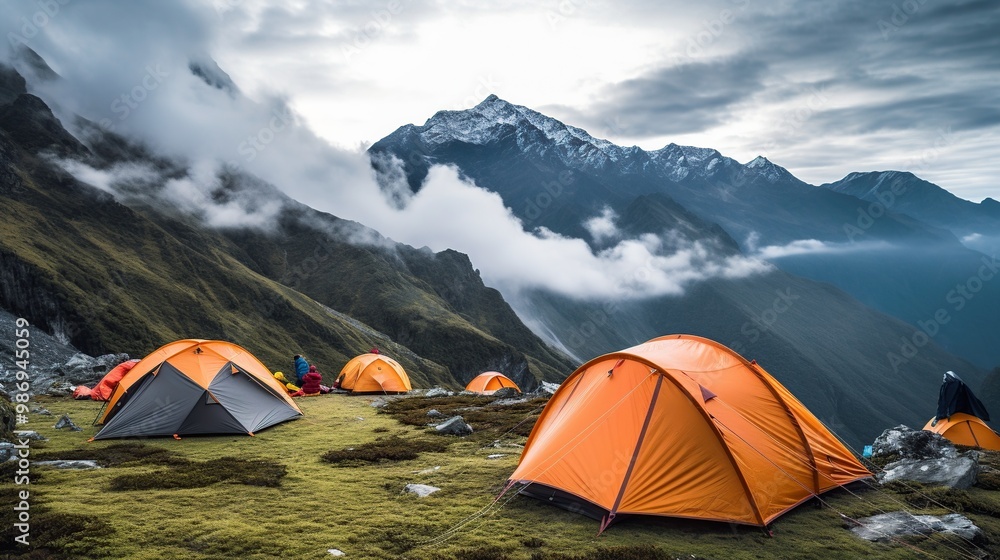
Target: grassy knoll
{"type": "Point", "coordinates": [334, 479]}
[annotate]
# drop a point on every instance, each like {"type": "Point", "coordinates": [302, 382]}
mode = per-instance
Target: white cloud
{"type": "Point", "coordinates": [191, 194]}
{"type": "Point", "coordinates": [814, 247]}
{"type": "Point", "coordinates": [451, 213]}
{"type": "Point", "coordinates": [602, 226]}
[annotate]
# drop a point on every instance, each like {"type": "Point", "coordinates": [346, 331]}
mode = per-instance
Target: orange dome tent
{"type": "Point", "coordinates": [192, 387]}
{"type": "Point", "coordinates": [490, 382]}
{"type": "Point", "coordinates": [961, 416]}
{"type": "Point", "coordinates": [373, 373]}
{"type": "Point", "coordinates": [966, 429]}
{"type": "Point", "coordinates": [680, 426]}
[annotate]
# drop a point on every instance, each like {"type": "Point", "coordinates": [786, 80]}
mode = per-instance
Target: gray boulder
{"type": "Point", "coordinates": [7, 451]}
{"type": "Point", "coordinates": [66, 422]}
{"type": "Point", "coordinates": [507, 393]}
{"type": "Point", "coordinates": [508, 402]}
{"type": "Point", "coordinates": [435, 413]}
{"type": "Point", "coordinates": [924, 457]}
{"type": "Point", "coordinates": [547, 388]}
{"type": "Point", "coordinates": [908, 443]}
{"type": "Point", "coordinates": [80, 464]}
{"type": "Point", "coordinates": [421, 490]}
{"type": "Point", "coordinates": [60, 388]}
{"type": "Point", "coordinates": [455, 426]}
{"type": "Point", "coordinates": [887, 526]}
{"type": "Point", "coordinates": [958, 472]}
{"type": "Point", "coordinates": [29, 435]}
{"type": "Point", "coordinates": [82, 368]}
{"type": "Point", "coordinates": [438, 392]}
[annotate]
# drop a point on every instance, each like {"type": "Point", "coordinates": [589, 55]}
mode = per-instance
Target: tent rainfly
{"type": "Point", "coordinates": [193, 386]}
{"type": "Point", "coordinates": [680, 426]}
{"type": "Point", "coordinates": [490, 382]}
{"type": "Point", "coordinates": [373, 373]}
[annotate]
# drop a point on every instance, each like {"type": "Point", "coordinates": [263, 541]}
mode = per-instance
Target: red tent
{"type": "Point", "coordinates": [102, 391]}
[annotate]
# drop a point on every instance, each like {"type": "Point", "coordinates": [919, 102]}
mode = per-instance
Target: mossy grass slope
{"type": "Point", "coordinates": [361, 508]}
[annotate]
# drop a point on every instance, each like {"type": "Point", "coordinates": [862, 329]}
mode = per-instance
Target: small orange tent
{"type": "Point", "coordinates": [373, 373]}
{"type": "Point", "coordinates": [196, 387]}
{"type": "Point", "coordinates": [680, 426]}
{"type": "Point", "coordinates": [490, 382]}
{"type": "Point", "coordinates": [966, 429]}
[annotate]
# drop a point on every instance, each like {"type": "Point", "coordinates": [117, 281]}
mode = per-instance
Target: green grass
{"type": "Point", "coordinates": [384, 450]}
{"type": "Point", "coordinates": [489, 420]}
{"type": "Point", "coordinates": [205, 473]}
{"type": "Point", "coordinates": [359, 506]}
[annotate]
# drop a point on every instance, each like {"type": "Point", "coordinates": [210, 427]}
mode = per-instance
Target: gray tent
{"type": "Point", "coordinates": [192, 387]}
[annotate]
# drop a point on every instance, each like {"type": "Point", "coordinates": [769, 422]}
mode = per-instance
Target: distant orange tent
{"type": "Point", "coordinates": [373, 373]}
{"type": "Point", "coordinates": [680, 426]}
{"type": "Point", "coordinates": [192, 387]}
{"type": "Point", "coordinates": [490, 382]}
{"type": "Point", "coordinates": [966, 429]}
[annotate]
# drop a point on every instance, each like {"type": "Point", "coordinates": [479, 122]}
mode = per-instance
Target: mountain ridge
{"type": "Point", "coordinates": [887, 258]}
{"type": "Point", "coordinates": [111, 288]}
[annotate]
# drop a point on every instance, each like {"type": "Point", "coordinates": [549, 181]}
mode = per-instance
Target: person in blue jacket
{"type": "Point", "coordinates": [301, 369]}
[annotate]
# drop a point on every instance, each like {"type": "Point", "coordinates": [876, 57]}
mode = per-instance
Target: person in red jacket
{"type": "Point", "coordinates": [311, 381]}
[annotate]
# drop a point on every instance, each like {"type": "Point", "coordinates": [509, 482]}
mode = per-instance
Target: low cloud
{"type": "Point", "coordinates": [603, 226]}
{"type": "Point", "coordinates": [814, 247]}
{"type": "Point", "coordinates": [200, 193]}
{"type": "Point", "coordinates": [449, 212]}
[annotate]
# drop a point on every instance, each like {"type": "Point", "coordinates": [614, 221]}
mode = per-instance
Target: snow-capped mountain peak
{"type": "Point", "coordinates": [495, 119]}
{"type": "Point", "coordinates": [484, 122]}
{"type": "Point", "coordinates": [765, 168]}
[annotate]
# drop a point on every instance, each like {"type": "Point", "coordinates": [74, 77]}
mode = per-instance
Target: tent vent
{"type": "Point", "coordinates": [706, 395]}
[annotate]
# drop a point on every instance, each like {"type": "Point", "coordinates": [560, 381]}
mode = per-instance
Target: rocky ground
{"type": "Point", "coordinates": [55, 366]}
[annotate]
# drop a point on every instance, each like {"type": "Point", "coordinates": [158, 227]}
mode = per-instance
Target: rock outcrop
{"type": "Point", "coordinates": [455, 426]}
{"type": "Point", "coordinates": [925, 457]}
{"type": "Point", "coordinates": [887, 526]}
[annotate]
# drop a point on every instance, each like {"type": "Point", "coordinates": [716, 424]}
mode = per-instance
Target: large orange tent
{"type": "Point", "coordinates": [192, 387]}
{"type": "Point", "coordinates": [490, 382]}
{"type": "Point", "coordinates": [680, 426]}
{"type": "Point", "coordinates": [373, 373]}
{"type": "Point", "coordinates": [966, 429]}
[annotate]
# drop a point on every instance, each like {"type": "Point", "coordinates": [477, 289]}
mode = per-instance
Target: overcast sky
{"type": "Point", "coordinates": [822, 88]}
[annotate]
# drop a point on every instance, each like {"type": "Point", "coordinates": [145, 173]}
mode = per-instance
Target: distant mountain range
{"type": "Point", "coordinates": [835, 320]}
{"type": "Point", "coordinates": [902, 256]}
